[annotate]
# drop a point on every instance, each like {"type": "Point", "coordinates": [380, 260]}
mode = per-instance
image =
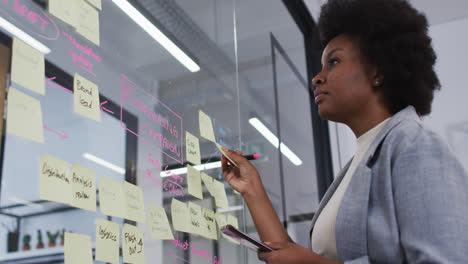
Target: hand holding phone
{"type": "Point", "coordinates": [245, 239]}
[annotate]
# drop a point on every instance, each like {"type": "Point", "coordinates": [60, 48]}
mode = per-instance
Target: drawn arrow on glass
{"type": "Point", "coordinates": [105, 109]}
{"type": "Point", "coordinates": [62, 136]}
{"type": "Point", "coordinates": [61, 87]}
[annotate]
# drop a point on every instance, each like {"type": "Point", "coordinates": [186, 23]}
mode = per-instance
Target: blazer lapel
{"type": "Point", "coordinates": [351, 221]}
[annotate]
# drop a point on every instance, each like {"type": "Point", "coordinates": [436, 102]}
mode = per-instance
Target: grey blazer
{"type": "Point", "coordinates": [407, 201]}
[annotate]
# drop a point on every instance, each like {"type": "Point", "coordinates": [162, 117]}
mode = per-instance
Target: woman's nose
{"type": "Point", "coordinates": [317, 80]}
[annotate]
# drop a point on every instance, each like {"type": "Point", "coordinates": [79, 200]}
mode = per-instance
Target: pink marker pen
{"type": "Point", "coordinates": [252, 156]}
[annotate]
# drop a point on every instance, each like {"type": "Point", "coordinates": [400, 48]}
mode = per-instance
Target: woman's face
{"type": "Point", "coordinates": [344, 87]}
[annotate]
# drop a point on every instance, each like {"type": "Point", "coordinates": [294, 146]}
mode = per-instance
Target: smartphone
{"type": "Point", "coordinates": [245, 239]}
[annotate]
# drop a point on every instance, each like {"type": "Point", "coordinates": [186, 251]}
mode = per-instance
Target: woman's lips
{"type": "Point", "coordinates": [319, 97]}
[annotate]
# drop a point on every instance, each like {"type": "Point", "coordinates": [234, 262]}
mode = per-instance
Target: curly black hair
{"type": "Point", "coordinates": [392, 36]}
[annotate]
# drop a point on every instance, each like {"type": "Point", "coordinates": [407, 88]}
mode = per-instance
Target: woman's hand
{"type": "Point", "coordinates": [291, 253]}
{"type": "Point", "coordinates": [245, 178]}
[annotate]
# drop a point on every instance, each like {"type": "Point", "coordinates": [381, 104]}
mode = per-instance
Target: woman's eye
{"type": "Point", "coordinates": [332, 62]}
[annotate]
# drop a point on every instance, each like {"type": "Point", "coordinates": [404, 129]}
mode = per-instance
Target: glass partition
{"type": "Point", "coordinates": [113, 117]}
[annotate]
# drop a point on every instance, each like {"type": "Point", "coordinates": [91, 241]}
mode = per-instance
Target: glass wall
{"type": "Point", "coordinates": [108, 102]}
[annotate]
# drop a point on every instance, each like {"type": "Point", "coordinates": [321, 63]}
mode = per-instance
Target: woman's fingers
{"type": "Point", "coordinates": [236, 156]}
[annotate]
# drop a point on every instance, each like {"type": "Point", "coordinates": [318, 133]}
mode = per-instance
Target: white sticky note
{"type": "Point", "coordinates": [196, 218]}
{"type": "Point", "coordinates": [77, 249]}
{"type": "Point", "coordinates": [107, 241]}
{"type": "Point", "coordinates": [83, 188]}
{"type": "Point", "coordinates": [209, 230]}
{"type": "Point", "coordinates": [133, 248]}
{"type": "Point", "coordinates": [206, 126]}
{"type": "Point", "coordinates": [27, 67]}
{"type": "Point", "coordinates": [96, 3]}
{"type": "Point", "coordinates": [209, 183]}
{"type": "Point", "coordinates": [180, 216]}
{"type": "Point", "coordinates": [54, 180]}
{"type": "Point", "coordinates": [111, 198]}
{"type": "Point", "coordinates": [159, 224]}
{"type": "Point", "coordinates": [194, 182]}
{"type": "Point", "coordinates": [134, 204]}
{"type": "Point", "coordinates": [86, 98]}
{"type": "Point", "coordinates": [67, 11]}
{"type": "Point", "coordinates": [24, 116]}
{"type": "Point", "coordinates": [88, 22]}
{"type": "Point", "coordinates": [192, 148]}
{"type": "Point", "coordinates": [220, 195]}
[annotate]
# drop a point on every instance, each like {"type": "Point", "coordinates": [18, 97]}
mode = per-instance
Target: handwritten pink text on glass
{"type": "Point", "coordinates": [162, 128]}
{"type": "Point", "coordinates": [33, 18]}
{"type": "Point", "coordinates": [81, 58]}
{"type": "Point", "coordinates": [198, 252]}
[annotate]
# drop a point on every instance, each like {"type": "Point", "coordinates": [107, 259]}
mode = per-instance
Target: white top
{"type": "Point", "coordinates": [323, 236]}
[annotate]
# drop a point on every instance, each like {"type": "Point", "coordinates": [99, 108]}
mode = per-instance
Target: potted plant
{"type": "Point", "coordinates": [52, 238]}
{"type": "Point", "coordinates": [26, 241]}
{"type": "Point", "coordinates": [40, 244]}
{"type": "Point", "coordinates": [62, 237]}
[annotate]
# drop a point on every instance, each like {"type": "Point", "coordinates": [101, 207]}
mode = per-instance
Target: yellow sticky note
{"type": "Point", "coordinates": [134, 205]}
{"type": "Point", "coordinates": [27, 67]}
{"type": "Point", "coordinates": [220, 195]}
{"type": "Point", "coordinates": [225, 155]}
{"type": "Point", "coordinates": [196, 218]}
{"type": "Point", "coordinates": [210, 230]}
{"type": "Point", "coordinates": [107, 241]}
{"type": "Point", "coordinates": [222, 221]}
{"type": "Point", "coordinates": [180, 216]}
{"type": "Point", "coordinates": [232, 220]}
{"type": "Point", "coordinates": [158, 223]}
{"type": "Point", "coordinates": [54, 180]}
{"type": "Point", "coordinates": [83, 188]}
{"type": "Point", "coordinates": [96, 3]}
{"type": "Point", "coordinates": [206, 127]}
{"type": "Point", "coordinates": [24, 116]}
{"type": "Point", "coordinates": [86, 98]}
{"type": "Point", "coordinates": [77, 249]}
{"type": "Point", "coordinates": [111, 197]}
{"type": "Point", "coordinates": [192, 148]}
{"type": "Point", "coordinates": [88, 22]}
{"type": "Point", "coordinates": [209, 183]}
{"type": "Point", "coordinates": [133, 248]}
{"type": "Point", "coordinates": [65, 11]}
{"type": "Point", "coordinates": [194, 182]}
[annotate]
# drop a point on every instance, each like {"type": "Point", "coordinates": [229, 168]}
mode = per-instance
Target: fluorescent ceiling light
{"type": "Point", "coordinates": [20, 34]}
{"type": "Point", "coordinates": [155, 33]}
{"type": "Point", "coordinates": [230, 209]}
{"type": "Point", "coordinates": [290, 155]}
{"type": "Point", "coordinates": [27, 203]}
{"type": "Point", "coordinates": [104, 163]}
{"type": "Point", "coordinates": [255, 122]}
{"type": "Point", "coordinates": [264, 131]}
{"type": "Point", "coordinates": [180, 171]}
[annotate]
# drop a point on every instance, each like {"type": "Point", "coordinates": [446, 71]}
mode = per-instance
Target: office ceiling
{"type": "Point", "coordinates": [437, 11]}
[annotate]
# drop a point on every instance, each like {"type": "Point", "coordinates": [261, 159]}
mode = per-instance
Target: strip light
{"type": "Point", "coordinates": [264, 131]}
{"type": "Point", "coordinates": [180, 171]}
{"type": "Point", "coordinates": [257, 124]}
{"type": "Point", "coordinates": [230, 209]}
{"type": "Point", "coordinates": [25, 37]}
{"type": "Point", "coordinates": [155, 33]}
{"type": "Point", "coordinates": [104, 163]}
{"type": "Point", "coordinates": [27, 203]}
